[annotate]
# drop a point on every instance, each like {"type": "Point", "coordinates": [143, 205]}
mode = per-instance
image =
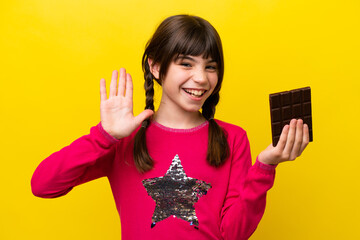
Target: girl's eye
{"type": "Point", "coordinates": [212, 68]}
{"type": "Point", "coordinates": [184, 64]}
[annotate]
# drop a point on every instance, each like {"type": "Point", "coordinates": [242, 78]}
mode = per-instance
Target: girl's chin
{"type": "Point", "coordinates": [194, 109]}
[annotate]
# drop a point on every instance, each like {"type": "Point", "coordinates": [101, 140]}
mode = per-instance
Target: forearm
{"type": "Point", "coordinates": [241, 218]}
{"type": "Point", "coordinates": [81, 161]}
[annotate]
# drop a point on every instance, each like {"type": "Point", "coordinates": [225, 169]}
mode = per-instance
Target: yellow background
{"type": "Point", "coordinates": [53, 54]}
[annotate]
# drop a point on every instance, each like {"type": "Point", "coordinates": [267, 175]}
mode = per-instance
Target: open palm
{"type": "Point", "coordinates": [116, 111]}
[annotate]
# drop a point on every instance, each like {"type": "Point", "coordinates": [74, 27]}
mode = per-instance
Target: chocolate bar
{"type": "Point", "coordinates": [287, 105]}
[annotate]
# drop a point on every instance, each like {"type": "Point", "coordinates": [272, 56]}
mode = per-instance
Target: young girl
{"type": "Point", "coordinates": [177, 173]}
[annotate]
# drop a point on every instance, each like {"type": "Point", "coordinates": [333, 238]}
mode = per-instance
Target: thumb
{"type": "Point", "coordinates": [270, 147]}
{"type": "Point", "coordinates": [142, 116]}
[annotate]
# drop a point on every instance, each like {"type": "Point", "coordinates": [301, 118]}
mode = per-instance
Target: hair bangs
{"type": "Point", "coordinates": [196, 42]}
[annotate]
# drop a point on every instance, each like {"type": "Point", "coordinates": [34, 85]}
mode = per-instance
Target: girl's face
{"type": "Point", "coordinates": [189, 81]}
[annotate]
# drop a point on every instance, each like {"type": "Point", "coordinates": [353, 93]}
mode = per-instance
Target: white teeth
{"type": "Point", "coordinates": [196, 93]}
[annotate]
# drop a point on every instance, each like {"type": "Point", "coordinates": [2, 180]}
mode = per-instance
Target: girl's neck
{"type": "Point", "coordinates": [184, 120]}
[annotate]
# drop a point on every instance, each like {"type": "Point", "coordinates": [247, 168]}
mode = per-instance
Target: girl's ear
{"type": "Point", "coordinates": [154, 68]}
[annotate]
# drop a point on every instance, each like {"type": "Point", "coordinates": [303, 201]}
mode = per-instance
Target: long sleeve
{"type": "Point", "coordinates": [246, 198]}
{"type": "Point", "coordinates": [85, 159]}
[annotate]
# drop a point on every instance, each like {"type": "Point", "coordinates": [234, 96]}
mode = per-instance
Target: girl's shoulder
{"type": "Point", "coordinates": [235, 134]}
{"type": "Point", "coordinates": [230, 128]}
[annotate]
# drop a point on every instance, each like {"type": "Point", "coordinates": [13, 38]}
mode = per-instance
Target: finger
{"type": "Point", "coordinates": [290, 138]}
{"type": "Point", "coordinates": [282, 140]}
{"type": "Point", "coordinates": [305, 138]}
{"type": "Point", "coordinates": [113, 84]}
{"type": "Point", "coordinates": [122, 82]}
{"type": "Point", "coordinates": [142, 116]}
{"type": "Point", "coordinates": [129, 87]}
{"type": "Point", "coordinates": [298, 140]}
{"type": "Point", "coordinates": [102, 89]}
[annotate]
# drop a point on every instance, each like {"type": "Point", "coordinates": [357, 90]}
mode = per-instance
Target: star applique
{"type": "Point", "coordinates": [175, 194]}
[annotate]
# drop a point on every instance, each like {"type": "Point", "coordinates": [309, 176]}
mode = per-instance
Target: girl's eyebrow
{"type": "Point", "coordinates": [186, 57]}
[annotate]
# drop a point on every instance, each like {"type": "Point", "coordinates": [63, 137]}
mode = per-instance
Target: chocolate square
{"type": "Point", "coordinates": [287, 105]}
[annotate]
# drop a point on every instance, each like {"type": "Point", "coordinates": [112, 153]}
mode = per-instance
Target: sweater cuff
{"type": "Point", "coordinates": [265, 168]}
{"type": "Point", "coordinates": [106, 134]}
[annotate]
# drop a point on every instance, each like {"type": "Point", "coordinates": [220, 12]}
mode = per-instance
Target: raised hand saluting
{"type": "Point", "coordinates": [116, 112]}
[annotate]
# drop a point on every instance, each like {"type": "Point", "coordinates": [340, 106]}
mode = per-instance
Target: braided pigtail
{"type": "Point", "coordinates": [218, 148]}
{"type": "Point", "coordinates": [143, 161]}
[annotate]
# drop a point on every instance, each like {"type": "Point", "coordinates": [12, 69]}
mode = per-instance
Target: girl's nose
{"type": "Point", "coordinates": [199, 76]}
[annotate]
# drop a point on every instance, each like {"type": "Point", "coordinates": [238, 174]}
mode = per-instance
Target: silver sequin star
{"type": "Point", "coordinates": [175, 194]}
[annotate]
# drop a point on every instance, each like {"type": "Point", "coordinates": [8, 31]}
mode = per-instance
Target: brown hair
{"type": "Point", "coordinates": [183, 35]}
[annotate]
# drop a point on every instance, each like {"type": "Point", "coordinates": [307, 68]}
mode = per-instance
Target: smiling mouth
{"type": "Point", "coordinates": [195, 93]}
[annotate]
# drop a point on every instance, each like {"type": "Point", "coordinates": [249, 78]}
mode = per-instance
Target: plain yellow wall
{"type": "Point", "coordinates": [53, 54]}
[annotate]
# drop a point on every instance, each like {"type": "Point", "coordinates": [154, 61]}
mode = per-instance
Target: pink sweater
{"type": "Point", "coordinates": [182, 197]}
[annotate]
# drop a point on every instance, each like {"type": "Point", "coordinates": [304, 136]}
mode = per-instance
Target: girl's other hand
{"type": "Point", "coordinates": [293, 140]}
{"type": "Point", "coordinates": [116, 112]}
